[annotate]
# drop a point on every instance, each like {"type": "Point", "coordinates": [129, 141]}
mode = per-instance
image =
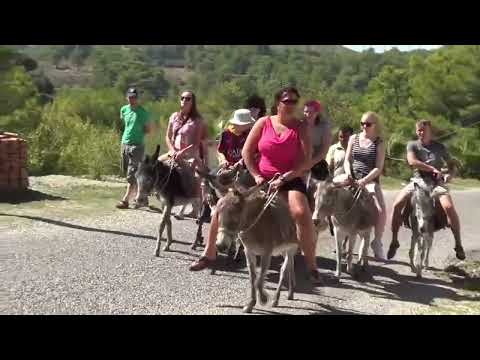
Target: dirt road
{"type": "Point", "coordinates": [105, 265]}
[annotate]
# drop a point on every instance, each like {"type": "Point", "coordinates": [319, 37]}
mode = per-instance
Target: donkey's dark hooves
{"type": "Point", "coordinates": [263, 298]}
{"type": "Point", "coordinates": [274, 303]}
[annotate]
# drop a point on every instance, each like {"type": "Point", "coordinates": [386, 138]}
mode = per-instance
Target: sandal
{"type": "Point", "coordinates": [122, 205]}
{"type": "Point", "coordinates": [201, 264]}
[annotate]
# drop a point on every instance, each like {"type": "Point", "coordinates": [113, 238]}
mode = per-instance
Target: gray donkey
{"type": "Point", "coordinates": [424, 216]}
{"type": "Point", "coordinates": [353, 213]}
{"type": "Point", "coordinates": [265, 228]}
{"type": "Point", "coordinates": [174, 184]}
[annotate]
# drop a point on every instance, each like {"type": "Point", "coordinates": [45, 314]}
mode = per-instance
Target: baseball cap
{"type": "Point", "coordinates": [132, 92]}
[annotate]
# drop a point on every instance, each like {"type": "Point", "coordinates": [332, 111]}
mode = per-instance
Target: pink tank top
{"type": "Point", "coordinates": [278, 154]}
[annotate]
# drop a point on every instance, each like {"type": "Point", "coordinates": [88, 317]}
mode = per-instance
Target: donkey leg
{"type": "Point", "coordinates": [366, 241]}
{"type": "Point", "coordinates": [291, 273]}
{"type": "Point", "coordinates": [168, 223]}
{"type": "Point", "coordinates": [419, 254]}
{"type": "Point", "coordinates": [251, 263]}
{"type": "Point", "coordinates": [160, 230]}
{"type": "Point", "coordinates": [349, 253]}
{"type": "Point", "coordinates": [264, 266]}
{"type": "Point", "coordinates": [339, 237]}
{"type": "Point", "coordinates": [411, 253]}
{"type": "Point", "coordinates": [199, 238]}
{"type": "Point", "coordinates": [429, 240]}
{"type": "Point", "coordinates": [285, 265]}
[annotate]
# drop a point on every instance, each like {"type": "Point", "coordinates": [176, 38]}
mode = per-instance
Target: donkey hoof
{"type": "Point", "coordinates": [274, 303]}
{"type": "Point", "coordinates": [157, 253]}
{"type": "Point", "coordinates": [263, 298]}
{"type": "Point", "coordinates": [166, 248]}
{"type": "Point", "coordinates": [290, 297]}
{"type": "Point", "coordinates": [212, 272]}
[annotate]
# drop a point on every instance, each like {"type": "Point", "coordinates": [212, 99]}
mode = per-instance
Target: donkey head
{"type": "Point", "coordinates": [146, 176]}
{"type": "Point", "coordinates": [325, 196]}
{"type": "Point", "coordinates": [231, 210]}
{"type": "Point", "coordinates": [423, 206]}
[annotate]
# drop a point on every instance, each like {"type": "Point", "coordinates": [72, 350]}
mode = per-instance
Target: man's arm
{"type": "Point", "coordinates": [417, 164]}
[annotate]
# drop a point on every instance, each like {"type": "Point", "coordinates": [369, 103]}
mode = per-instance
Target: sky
{"type": "Point", "coordinates": [381, 48]}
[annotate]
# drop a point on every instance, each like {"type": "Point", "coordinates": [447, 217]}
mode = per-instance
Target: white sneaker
{"type": "Point", "coordinates": [377, 248]}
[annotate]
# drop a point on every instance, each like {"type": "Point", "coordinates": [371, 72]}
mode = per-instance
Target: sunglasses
{"type": "Point", "coordinates": [185, 98]}
{"type": "Point", "coordinates": [289, 102]}
{"type": "Point", "coordinates": [366, 124]}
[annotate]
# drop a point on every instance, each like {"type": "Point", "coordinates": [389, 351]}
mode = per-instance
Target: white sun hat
{"type": "Point", "coordinates": [242, 117]}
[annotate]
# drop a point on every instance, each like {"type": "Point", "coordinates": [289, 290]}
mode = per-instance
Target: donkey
{"type": "Point", "coordinates": [226, 177]}
{"type": "Point", "coordinates": [168, 179]}
{"type": "Point", "coordinates": [250, 214]}
{"type": "Point", "coordinates": [424, 216]}
{"type": "Point", "coordinates": [353, 213]}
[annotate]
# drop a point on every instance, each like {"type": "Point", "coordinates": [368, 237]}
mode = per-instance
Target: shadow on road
{"type": "Point", "coordinates": [29, 195]}
{"type": "Point", "coordinates": [79, 227]}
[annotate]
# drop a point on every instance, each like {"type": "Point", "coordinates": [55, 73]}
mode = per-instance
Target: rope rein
{"type": "Point", "coordinates": [270, 198]}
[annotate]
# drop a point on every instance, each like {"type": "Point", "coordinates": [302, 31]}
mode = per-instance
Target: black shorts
{"type": "Point", "coordinates": [296, 184]}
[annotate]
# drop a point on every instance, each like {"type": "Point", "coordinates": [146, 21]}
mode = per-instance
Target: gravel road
{"type": "Point", "coordinates": [105, 265]}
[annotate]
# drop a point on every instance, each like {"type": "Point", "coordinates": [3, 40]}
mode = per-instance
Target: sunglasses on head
{"type": "Point", "coordinates": [289, 101]}
{"type": "Point", "coordinates": [185, 98]}
{"type": "Point", "coordinates": [366, 124]}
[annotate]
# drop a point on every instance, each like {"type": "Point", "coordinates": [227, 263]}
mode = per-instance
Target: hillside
{"type": "Point", "coordinates": [90, 81]}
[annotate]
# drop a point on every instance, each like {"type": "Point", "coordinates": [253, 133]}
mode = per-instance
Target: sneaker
{"type": "Point", "coordinates": [460, 252]}
{"type": "Point", "coordinates": [377, 248]}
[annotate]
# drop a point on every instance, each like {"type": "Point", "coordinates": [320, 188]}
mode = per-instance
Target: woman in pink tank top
{"type": "Point", "coordinates": [285, 147]}
{"type": "Point", "coordinates": [284, 144]}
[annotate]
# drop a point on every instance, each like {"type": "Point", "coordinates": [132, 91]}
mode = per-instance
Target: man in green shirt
{"type": "Point", "coordinates": [137, 123]}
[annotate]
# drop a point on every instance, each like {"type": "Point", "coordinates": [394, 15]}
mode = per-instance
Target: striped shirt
{"type": "Point", "coordinates": [364, 159]}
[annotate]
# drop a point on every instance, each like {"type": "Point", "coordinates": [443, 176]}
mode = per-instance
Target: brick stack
{"type": "Point", "coordinates": [13, 160]}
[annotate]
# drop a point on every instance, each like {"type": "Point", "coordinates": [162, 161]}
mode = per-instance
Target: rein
{"type": "Point", "coordinates": [356, 196]}
{"type": "Point", "coordinates": [270, 198]}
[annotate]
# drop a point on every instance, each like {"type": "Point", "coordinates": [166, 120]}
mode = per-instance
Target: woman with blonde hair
{"type": "Point", "coordinates": [364, 159]}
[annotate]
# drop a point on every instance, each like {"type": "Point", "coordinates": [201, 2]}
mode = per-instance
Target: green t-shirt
{"type": "Point", "coordinates": [135, 120]}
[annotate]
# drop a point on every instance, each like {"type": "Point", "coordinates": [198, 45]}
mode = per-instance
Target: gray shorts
{"type": "Point", "coordinates": [132, 155]}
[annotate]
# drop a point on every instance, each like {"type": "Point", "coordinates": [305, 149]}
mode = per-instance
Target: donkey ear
{"type": "Point", "coordinates": [156, 153]}
{"type": "Point", "coordinates": [212, 180]}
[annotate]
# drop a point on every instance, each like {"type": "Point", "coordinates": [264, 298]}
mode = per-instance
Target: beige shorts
{"type": "Point", "coordinates": [439, 190]}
